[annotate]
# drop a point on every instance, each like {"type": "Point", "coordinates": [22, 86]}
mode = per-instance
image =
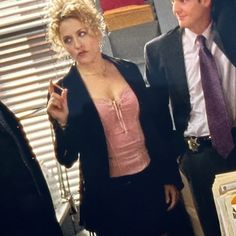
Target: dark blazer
{"type": "Point", "coordinates": [165, 70]}
{"type": "Point", "coordinates": [26, 206]}
{"type": "Point", "coordinates": [85, 135]}
{"type": "Point", "coordinates": [224, 15]}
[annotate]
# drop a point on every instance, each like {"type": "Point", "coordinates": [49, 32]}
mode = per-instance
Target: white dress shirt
{"type": "Point", "coordinates": [197, 125]}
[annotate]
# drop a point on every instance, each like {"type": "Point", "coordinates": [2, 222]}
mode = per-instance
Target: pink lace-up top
{"type": "Point", "coordinates": [125, 139]}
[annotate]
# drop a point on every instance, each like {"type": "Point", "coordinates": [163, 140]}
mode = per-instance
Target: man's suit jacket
{"type": "Point", "coordinates": [165, 71]}
{"type": "Point", "coordinates": [26, 206]}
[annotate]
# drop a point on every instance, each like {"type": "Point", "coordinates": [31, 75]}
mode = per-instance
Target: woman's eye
{"type": "Point", "coordinates": [67, 40]}
{"type": "Point", "coordinates": [82, 33]}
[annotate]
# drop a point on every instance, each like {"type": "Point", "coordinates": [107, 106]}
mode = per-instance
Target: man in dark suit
{"type": "Point", "coordinates": [26, 206]}
{"type": "Point", "coordinates": [173, 71]}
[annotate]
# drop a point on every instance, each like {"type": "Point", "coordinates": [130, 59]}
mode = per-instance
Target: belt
{"type": "Point", "coordinates": [196, 144]}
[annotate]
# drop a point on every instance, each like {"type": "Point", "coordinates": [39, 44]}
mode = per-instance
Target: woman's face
{"type": "Point", "coordinates": [80, 41]}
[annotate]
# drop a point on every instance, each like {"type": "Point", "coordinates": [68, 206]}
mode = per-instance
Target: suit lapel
{"type": "Point", "coordinates": [85, 108]}
{"type": "Point", "coordinates": [176, 74]}
{"type": "Point", "coordinates": [217, 39]}
{"type": "Point", "coordinates": [132, 76]}
{"type": "Point", "coordinates": [78, 96]}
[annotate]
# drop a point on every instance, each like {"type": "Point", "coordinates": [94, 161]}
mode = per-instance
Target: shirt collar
{"type": "Point", "coordinates": [191, 36]}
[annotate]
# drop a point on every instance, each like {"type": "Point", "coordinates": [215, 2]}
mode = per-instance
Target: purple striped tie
{"type": "Point", "coordinates": [217, 114]}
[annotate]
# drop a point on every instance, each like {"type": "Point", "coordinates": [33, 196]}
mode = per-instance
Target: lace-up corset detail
{"type": "Point", "coordinates": [125, 139]}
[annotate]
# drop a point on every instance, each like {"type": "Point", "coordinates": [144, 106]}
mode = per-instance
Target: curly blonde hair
{"type": "Point", "coordinates": [83, 10]}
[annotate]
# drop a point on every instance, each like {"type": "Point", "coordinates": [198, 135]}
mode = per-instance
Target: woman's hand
{"type": "Point", "coordinates": [57, 106]}
{"type": "Point", "coordinates": [171, 195]}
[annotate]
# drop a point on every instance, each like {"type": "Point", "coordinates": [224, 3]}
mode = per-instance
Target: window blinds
{"type": "Point", "coordinates": [27, 63]}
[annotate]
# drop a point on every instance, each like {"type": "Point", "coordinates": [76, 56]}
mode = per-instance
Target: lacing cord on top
{"type": "Point", "coordinates": [119, 115]}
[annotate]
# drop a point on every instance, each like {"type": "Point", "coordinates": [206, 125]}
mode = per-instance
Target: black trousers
{"type": "Point", "coordinates": [135, 206]}
{"type": "Point", "coordinates": [200, 170]}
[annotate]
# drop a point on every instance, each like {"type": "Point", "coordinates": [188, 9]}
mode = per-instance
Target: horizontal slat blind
{"type": "Point", "coordinates": [27, 63]}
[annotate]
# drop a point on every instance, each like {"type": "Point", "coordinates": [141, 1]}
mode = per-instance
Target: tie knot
{"type": "Point", "coordinates": [202, 41]}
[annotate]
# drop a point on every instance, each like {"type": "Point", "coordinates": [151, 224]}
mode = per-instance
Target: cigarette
{"type": "Point", "coordinates": [57, 86]}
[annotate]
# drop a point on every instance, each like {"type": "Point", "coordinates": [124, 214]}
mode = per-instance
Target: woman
{"type": "Point", "coordinates": [103, 111]}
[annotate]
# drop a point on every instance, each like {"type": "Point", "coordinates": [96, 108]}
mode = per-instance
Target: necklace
{"type": "Point", "coordinates": [100, 72]}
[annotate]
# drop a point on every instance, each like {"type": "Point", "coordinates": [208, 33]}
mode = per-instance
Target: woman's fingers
{"type": "Point", "coordinates": [64, 96]}
{"type": "Point", "coordinates": [57, 95]}
{"type": "Point", "coordinates": [172, 196]}
{"type": "Point", "coordinates": [55, 102]}
{"type": "Point", "coordinates": [54, 88]}
{"type": "Point", "coordinates": [50, 88]}
{"type": "Point", "coordinates": [57, 105]}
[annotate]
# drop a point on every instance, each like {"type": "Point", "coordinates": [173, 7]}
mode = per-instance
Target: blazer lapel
{"type": "Point", "coordinates": [217, 39]}
{"type": "Point", "coordinates": [78, 91]}
{"type": "Point", "coordinates": [133, 77]}
{"type": "Point", "coordinates": [176, 74]}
